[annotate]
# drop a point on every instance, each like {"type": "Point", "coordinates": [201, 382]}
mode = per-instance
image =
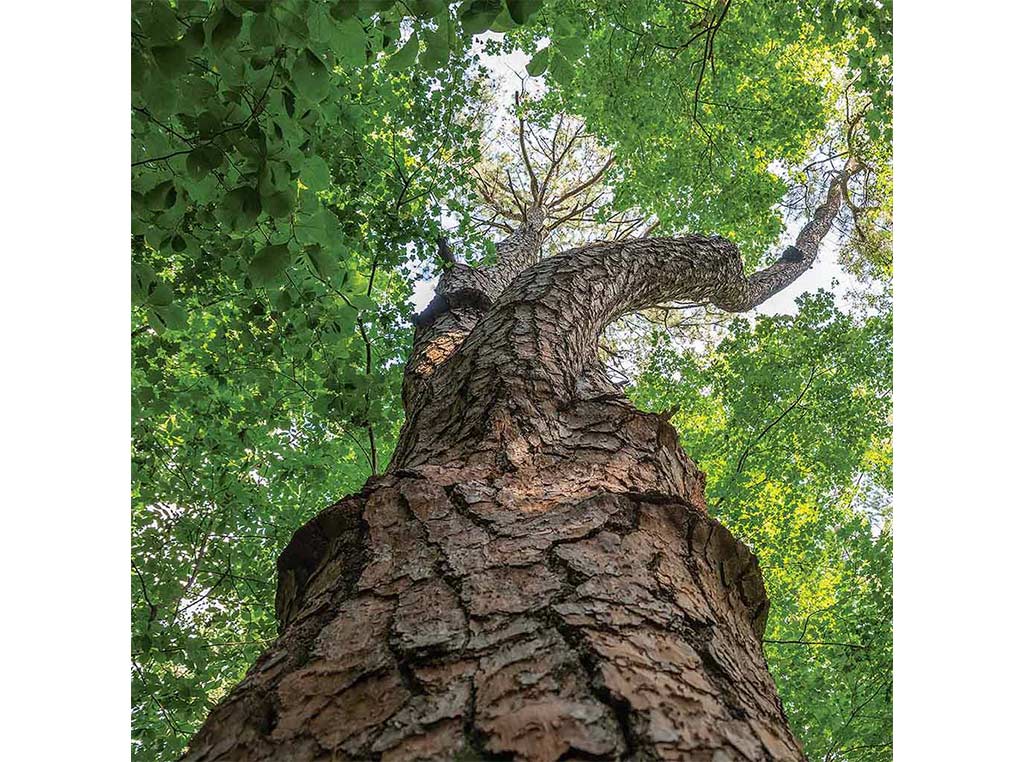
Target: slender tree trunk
{"type": "Point", "coordinates": [535, 577]}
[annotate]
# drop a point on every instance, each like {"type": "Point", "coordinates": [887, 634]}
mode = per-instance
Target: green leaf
{"type": "Point", "coordinates": [369, 7]}
{"type": "Point", "coordinates": [172, 60]}
{"type": "Point", "coordinates": [426, 9]}
{"type": "Point", "coordinates": [390, 33]}
{"type": "Point", "coordinates": [160, 295]}
{"type": "Point", "coordinates": [194, 39]}
{"type": "Point", "coordinates": [170, 317]}
{"type": "Point", "coordinates": [539, 63]}
{"type": "Point", "coordinates": [344, 9]}
{"type": "Point", "coordinates": [160, 95]}
{"type": "Point", "coordinates": [477, 15]}
{"type": "Point", "coordinates": [157, 21]}
{"type": "Point", "coordinates": [323, 263]}
{"type": "Point", "coordinates": [274, 176]}
{"type": "Point", "coordinates": [521, 10]}
{"type": "Point", "coordinates": [224, 28]}
{"type": "Point", "coordinates": [310, 76]}
{"type": "Point", "coordinates": [240, 208]}
{"type": "Point", "coordinates": [283, 299]}
{"type": "Point", "coordinates": [503, 22]}
{"type": "Point", "coordinates": [263, 31]}
{"type": "Point", "coordinates": [325, 229]}
{"type": "Point", "coordinates": [564, 26]}
{"type": "Point", "coordinates": [143, 278]}
{"type": "Point", "coordinates": [269, 263]}
{"type": "Point", "coordinates": [437, 51]}
{"type": "Point", "coordinates": [162, 196]}
{"type": "Point", "coordinates": [406, 56]}
{"type": "Point", "coordinates": [561, 70]}
{"type": "Point", "coordinates": [316, 175]}
{"type": "Point", "coordinates": [203, 160]}
{"type": "Point", "coordinates": [279, 203]}
{"type": "Point", "coordinates": [348, 43]}
{"type": "Point", "coordinates": [571, 47]}
{"type": "Point", "coordinates": [362, 302]}
{"type": "Point", "coordinates": [140, 69]}
{"type": "Point", "coordinates": [256, 6]}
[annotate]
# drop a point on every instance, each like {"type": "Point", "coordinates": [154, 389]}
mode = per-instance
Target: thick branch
{"type": "Point", "coordinates": [518, 251]}
{"type": "Point", "coordinates": [546, 324]}
{"type": "Point", "coordinates": [746, 293]}
{"type": "Point", "coordinates": [463, 295]}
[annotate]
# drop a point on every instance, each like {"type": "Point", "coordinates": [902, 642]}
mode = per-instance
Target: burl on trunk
{"type": "Point", "coordinates": [535, 577]}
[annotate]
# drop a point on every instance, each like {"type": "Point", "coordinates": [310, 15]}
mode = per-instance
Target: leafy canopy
{"type": "Point", "coordinates": [708, 109]}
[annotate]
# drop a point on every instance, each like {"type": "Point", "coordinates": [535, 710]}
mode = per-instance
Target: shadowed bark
{"type": "Point", "coordinates": [535, 577]}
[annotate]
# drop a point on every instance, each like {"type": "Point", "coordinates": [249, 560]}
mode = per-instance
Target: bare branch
{"type": "Point", "coordinates": [556, 161]}
{"type": "Point", "coordinates": [582, 187]}
{"type": "Point", "coordinates": [534, 189]}
{"type": "Point", "coordinates": [709, 54]}
{"type": "Point", "coordinates": [574, 214]}
{"type": "Point", "coordinates": [493, 223]}
{"type": "Point", "coordinates": [515, 194]}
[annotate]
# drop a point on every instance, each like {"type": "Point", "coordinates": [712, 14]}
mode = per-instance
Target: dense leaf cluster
{"type": "Point", "coordinates": [708, 107]}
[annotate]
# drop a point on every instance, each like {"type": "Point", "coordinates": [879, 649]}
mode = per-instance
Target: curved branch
{"type": "Point", "coordinates": [545, 326]}
{"type": "Point", "coordinates": [746, 293]}
{"type": "Point", "coordinates": [548, 321]}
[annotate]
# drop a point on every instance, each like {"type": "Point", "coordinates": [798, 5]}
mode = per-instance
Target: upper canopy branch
{"type": "Point", "coordinates": [747, 293]}
{"type": "Point", "coordinates": [534, 188]}
{"type": "Point", "coordinates": [548, 321]}
{"type": "Point", "coordinates": [556, 203]}
{"type": "Point", "coordinates": [552, 170]}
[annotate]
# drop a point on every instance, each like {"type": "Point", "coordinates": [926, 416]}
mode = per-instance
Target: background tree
{"type": "Point", "coordinates": [279, 391]}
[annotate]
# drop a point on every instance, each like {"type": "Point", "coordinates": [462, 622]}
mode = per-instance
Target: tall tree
{"type": "Point", "coordinates": [535, 574]}
{"type": "Point", "coordinates": [278, 192]}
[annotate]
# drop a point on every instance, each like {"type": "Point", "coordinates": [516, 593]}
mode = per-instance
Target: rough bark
{"type": "Point", "coordinates": [535, 577]}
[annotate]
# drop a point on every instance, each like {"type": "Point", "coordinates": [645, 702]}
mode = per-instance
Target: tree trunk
{"type": "Point", "coordinates": [535, 577]}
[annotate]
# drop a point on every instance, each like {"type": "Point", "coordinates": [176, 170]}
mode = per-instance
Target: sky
{"type": "Point", "coordinates": [506, 72]}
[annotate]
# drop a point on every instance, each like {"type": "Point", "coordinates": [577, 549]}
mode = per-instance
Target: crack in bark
{"type": "Point", "coordinates": [415, 522]}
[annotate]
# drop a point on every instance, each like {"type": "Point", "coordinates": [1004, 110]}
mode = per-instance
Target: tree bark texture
{"type": "Point", "coordinates": [535, 577]}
